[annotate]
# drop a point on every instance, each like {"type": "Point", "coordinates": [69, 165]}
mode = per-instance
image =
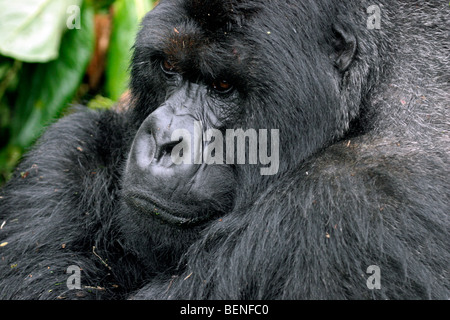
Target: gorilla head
{"type": "Point", "coordinates": [198, 62]}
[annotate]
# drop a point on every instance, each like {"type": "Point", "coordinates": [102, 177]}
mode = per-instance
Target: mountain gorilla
{"type": "Point", "coordinates": [357, 207]}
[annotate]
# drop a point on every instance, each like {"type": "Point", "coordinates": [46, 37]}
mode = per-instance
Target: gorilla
{"type": "Point", "coordinates": [349, 105]}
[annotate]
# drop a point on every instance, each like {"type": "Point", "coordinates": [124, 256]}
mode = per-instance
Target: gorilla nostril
{"type": "Point", "coordinates": [165, 150]}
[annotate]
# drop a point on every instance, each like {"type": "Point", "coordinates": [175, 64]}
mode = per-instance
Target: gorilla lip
{"type": "Point", "coordinates": [151, 208]}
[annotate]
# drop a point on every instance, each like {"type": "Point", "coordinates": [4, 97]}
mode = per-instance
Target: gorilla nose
{"type": "Point", "coordinates": [157, 145]}
{"type": "Point", "coordinates": [163, 153]}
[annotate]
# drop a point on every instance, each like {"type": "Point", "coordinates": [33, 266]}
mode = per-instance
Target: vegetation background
{"type": "Point", "coordinates": [58, 53]}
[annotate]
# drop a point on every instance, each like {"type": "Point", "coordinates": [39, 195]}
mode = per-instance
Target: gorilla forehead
{"type": "Point", "coordinates": [209, 39]}
{"type": "Point", "coordinates": [235, 36]}
{"type": "Point", "coordinates": [215, 15]}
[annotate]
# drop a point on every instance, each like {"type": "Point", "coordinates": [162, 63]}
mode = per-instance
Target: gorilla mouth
{"type": "Point", "coordinates": [151, 208]}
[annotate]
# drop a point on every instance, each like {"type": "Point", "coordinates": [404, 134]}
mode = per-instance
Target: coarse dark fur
{"type": "Point", "coordinates": [364, 164]}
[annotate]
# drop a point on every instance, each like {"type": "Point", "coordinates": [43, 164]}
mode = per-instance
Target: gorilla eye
{"type": "Point", "coordinates": [222, 86]}
{"type": "Point", "coordinates": [168, 66]}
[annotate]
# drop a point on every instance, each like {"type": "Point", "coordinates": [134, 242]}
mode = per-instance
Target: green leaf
{"type": "Point", "coordinates": [9, 157]}
{"type": "Point", "coordinates": [31, 30]}
{"type": "Point", "coordinates": [127, 16]}
{"type": "Point", "coordinates": [45, 89]}
{"type": "Point", "coordinates": [99, 102]}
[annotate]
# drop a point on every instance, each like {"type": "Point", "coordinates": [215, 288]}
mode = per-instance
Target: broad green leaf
{"type": "Point", "coordinates": [127, 16]}
{"type": "Point", "coordinates": [45, 89]}
{"type": "Point", "coordinates": [31, 30]}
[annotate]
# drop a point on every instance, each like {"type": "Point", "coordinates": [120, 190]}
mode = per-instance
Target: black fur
{"type": "Point", "coordinates": [364, 168]}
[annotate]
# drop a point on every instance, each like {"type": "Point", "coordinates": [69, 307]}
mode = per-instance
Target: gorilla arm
{"type": "Point", "coordinates": [52, 215]}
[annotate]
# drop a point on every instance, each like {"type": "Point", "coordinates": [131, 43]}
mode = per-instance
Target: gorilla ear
{"type": "Point", "coordinates": [344, 45]}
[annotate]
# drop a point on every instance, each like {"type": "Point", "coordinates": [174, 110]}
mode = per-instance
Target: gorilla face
{"type": "Point", "coordinates": [181, 195]}
{"type": "Point", "coordinates": [200, 66]}
{"type": "Point", "coordinates": [187, 93]}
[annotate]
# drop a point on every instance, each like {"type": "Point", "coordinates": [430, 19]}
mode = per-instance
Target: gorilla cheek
{"type": "Point", "coordinates": [142, 155]}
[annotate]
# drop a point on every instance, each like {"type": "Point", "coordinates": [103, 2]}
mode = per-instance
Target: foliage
{"type": "Point", "coordinates": [54, 54]}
